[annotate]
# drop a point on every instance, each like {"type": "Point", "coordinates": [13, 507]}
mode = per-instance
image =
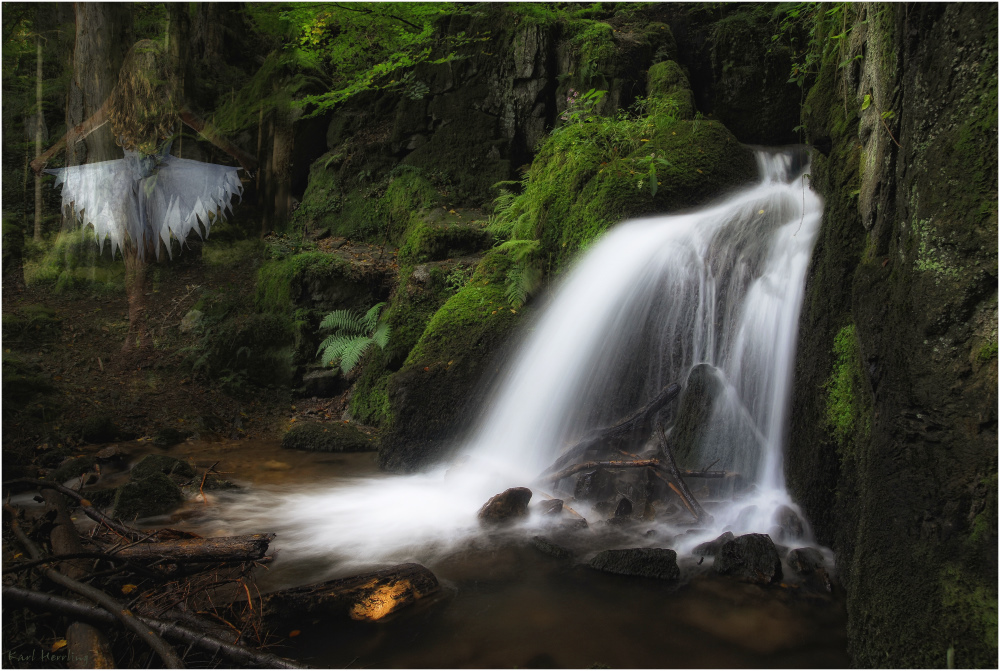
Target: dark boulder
{"type": "Point", "coordinates": [99, 429]}
{"type": "Point", "coordinates": [170, 437]}
{"type": "Point", "coordinates": [750, 558]}
{"type": "Point", "coordinates": [711, 548]}
{"type": "Point", "coordinates": [162, 464]}
{"type": "Point", "coordinates": [658, 563]}
{"type": "Point", "coordinates": [624, 508]}
{"type": "Point", "coordinates": [790, 525]}
{"type": "Point", "coordinates": [332, 437]}
{"type": "Point", "coordinates": [74, 467]}
{"type": "Point", "coordinates": [694, 414]}
{"type": "Point", "coordinates": [322, 383]}
{"type": "Point", "coordinates": [506, 506]}
{"type": "Point", "coordinates": [595, 485]}
{"type": "Point", "coordinates": [805, 561]}
{"type": "Point", "coordinates": [155, 494]}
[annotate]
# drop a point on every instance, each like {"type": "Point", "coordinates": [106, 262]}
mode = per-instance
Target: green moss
{"type": "Point", "coordinates": [987, 351]}
{"type": "Point", "coordinates": [153, 495]}
{"type": "Point", "coordinates": [442, 234]}
{"type": "Point", "coordinates": [220, 254]}
{"type": "Point", "coordinates": [846, 415]}
{"type": "Point", "coordinates": [480, 306]}
{"type": "Point", "coordinates": [74, 261]}
{"type": "Point", "coordinates": [969, 609]}
{"type": "Point", "coordinates": [31, 322]}
{"type": "Point", "coordinates": [334, 437]}
{"type": "Point", "coordinates": [279, 281]}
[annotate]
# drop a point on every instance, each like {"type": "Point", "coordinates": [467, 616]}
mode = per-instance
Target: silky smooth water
{"type": "Point", "coordinates": [654, 298]}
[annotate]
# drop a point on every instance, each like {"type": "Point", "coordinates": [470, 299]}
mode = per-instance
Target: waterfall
{"type": "Point", "coordinates": [709, 296]}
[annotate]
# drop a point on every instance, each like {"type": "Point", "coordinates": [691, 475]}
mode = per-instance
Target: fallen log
{"type": "Point", "coordinates": [79, 610]}
{"type": "Point", "coordinates": [222, 549]}
{"type": "Point", "coordinates": [366, 597]}
{"type": "Point", "coordinates": [619, 430]}
{"type": "Point", "coordinates": [630, 463]}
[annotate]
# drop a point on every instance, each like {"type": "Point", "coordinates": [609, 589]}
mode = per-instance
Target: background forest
{"type": "Point", "coordinates": [426, 171]}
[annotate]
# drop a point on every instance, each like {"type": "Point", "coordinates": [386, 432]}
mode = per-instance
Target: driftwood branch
{"type": "Point", "coordinates": [165, 652]}
{"type": "Point", "coordinates": [619, 430]}
{"type": "Point", "coordinates": [633, 463]}
{"type": "Point", "coordinates": [681, 487]}
{"type": "Point", "coordinates": [79, 610]}
{"type": "Point", "coordinates": [222, 549]}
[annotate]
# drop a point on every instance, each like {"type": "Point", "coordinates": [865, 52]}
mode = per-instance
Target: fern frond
{"type": "Point", "coordinates": [343, 320]}
{"type": "Point", "coordinates": [521, 282]}
{"type": "Point", "coordinates": [370, 320]}
{"type": "Point", "coordinates": [381, 335]}
{"type": "Point", "coordinates": [519, 249]}
{"type": "Point", "coordinates": [332, 348]}
{"type": "Point", "coordinates": [353, 351]}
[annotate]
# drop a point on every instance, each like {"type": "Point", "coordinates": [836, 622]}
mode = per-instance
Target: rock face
{"type": "Point", "coordinates": [657, 563]}
{"type": "Point", "coordinates": [805, 561]}
{"type": "Point", "coordinates": [506, 506]}
{"type": "Point", "coordinates": [332, 437]}
{"type": "Point", "coordinates": [892, 450]}
{"type": "Point", "coordinates": [749, 558]}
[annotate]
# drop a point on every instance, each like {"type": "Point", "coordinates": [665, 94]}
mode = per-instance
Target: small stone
{"type": "Point", "coordinates": [749, 558]}
{"type": "Point", "coordinates": [550, 506]}
{"type": "Point", "coordinates": [624, 508]}
{"type": "Point", "coordinates": [659, 563]}
{"type": "Point", "coordinates": [710, 548]}
{"type": "Point", "coordinates": [111, 453]}
{"type": "Point", "coordinates": [506, 506]}
{"type": "Point", "coordinates": [170, 437]}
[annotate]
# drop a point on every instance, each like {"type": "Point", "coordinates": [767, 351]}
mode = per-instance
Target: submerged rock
{"type": "Point", "coordinates": [550, 506]}
{"type": "Point", "coordinates": [659, 563]}
{"type": "Point", "coordinates": [506, 506]}
{"type": "Point", "coordinates": [749, 558]}
{"type": "Point", "coordinates": [711, 548]}
{"type": "Point", "coordinates": [332, 437]}
{"type": "Point", "coordinates": [161, 463]}
{"type": "Point", "coordinates": [545, 546]}
{"type": "Point", "coordinates": [155, 494]}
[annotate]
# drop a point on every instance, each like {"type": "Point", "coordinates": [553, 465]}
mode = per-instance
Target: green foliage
{"type": "Point", "coordinates": [73, 261]}
{"type": "Point", "coordinates": [353, 335]}
{"type": "Point", "coordinates": [969, 605]}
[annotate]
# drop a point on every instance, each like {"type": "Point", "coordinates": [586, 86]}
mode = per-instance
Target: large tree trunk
{"type": "Point", "coordinates": [135, 287]}
{"type": "Point", "coordinates": [39, 134]}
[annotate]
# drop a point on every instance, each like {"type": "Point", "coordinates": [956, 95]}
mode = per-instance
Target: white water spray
{"type": "Point", "coordinates": [719, 288]}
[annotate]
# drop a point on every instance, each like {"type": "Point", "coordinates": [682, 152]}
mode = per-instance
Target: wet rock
{"type": "Point", "coordinates": [162, 464]}
{"type": "Point", "coordinates": [711, 548]}
{"type": "Point", "coordinates": [99, 429]}
{"type": "Point", "coordinates": [112, 453]}
{"type": "Point", "coordinates": [790, 526]}
{"type": "Point", "coordinates": [155, 494]}
{"type": "Point", "coordinates": [101, 498]}
{"type": "Point", "coordinates": [658, 563]}
{"type": "Point", "coordinates": [331, 437]}
{"type": "Point", "coordinates": [594, 486]}
{"type": "Point", "coordinates": [694, 413]}
{"type": "Point", "coordinates": [322, 383]}
{"type": "Point", "coordinates": [550, 506]}
{"type": "Point", "coordinates": [545, 546]}
{"type": "Point", "coordinates": [74, 467]}
{"type": "Point", "coordinates": [624, 508]}
{"type": "Point", "coordinates": [805, 561]}
{"type": "Point", "coordinates": [214, 483]}
{"type": "Point", "coordinates": [506, 506]}
{"type": "Point", "coordinates": [170, 437]}
{"type": "Point", "coordinates": [749, 558]}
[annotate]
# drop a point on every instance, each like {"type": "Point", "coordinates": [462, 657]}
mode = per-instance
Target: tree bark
{"type": "Point", "coordinates": [135, 288]}
{"type": "Point", "coordinates": [39, 128]}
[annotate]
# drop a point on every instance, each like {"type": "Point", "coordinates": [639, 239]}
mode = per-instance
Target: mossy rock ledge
{"type": "Point", "coordinates": [335, 437]}
{"type": "Point", "coordinates": [155, 494]}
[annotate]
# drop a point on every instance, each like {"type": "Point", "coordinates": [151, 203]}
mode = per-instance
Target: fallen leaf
{"type": "Point", "coordinates": [293, 633]}
{"type": "Point", "coordinates": [61, 643]}
{"type": "Point", "coordinates": [128, 589]}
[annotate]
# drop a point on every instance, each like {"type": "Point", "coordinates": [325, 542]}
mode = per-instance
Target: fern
{"type": "Point", "coordinates": [353, 336]}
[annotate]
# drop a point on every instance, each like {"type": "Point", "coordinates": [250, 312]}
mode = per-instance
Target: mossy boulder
{"type": "Point", "coordinates": [155, 494]}
{"type": "Point", "coordinates": [331, 437]}
{"type": "Point", "coordinates": [441, 234]}
{"type": "Point", "coordinates": [667, 82]}
{"type": "Point", "coordinates": [99, 429]}
{"type": "Point", "coordinates": [170, 436]}
{"type": "Point", "coordinates": [73, 467]}
{"type": "Point", "coordinates": [160, 463]}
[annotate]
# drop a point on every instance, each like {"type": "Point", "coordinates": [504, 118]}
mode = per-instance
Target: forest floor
{"type": "Point", "coordinates": [64, 367]}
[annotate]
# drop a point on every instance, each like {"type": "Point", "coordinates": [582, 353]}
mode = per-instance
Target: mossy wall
{"type": "Point", "coordinates": [893, 445]}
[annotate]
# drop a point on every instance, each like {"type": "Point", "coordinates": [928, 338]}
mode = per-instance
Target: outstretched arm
{"type": "Point", "coordinates": [73, 135]}
{"type": "Point", "coordinates": [248, 162]}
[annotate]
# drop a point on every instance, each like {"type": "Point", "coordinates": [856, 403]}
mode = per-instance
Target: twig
{"type": "Point", "coordinates": [637, 463]}
{"type": "Point", "coordinates": [77, 609]}
{"type": "Point", "coordinates": [682, 489]}
{"type": "Point", "coordinates": [159, 646]}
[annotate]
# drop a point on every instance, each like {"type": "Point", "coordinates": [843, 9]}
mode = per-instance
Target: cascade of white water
{"type": "Point", "coordinates": [717, 288]}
